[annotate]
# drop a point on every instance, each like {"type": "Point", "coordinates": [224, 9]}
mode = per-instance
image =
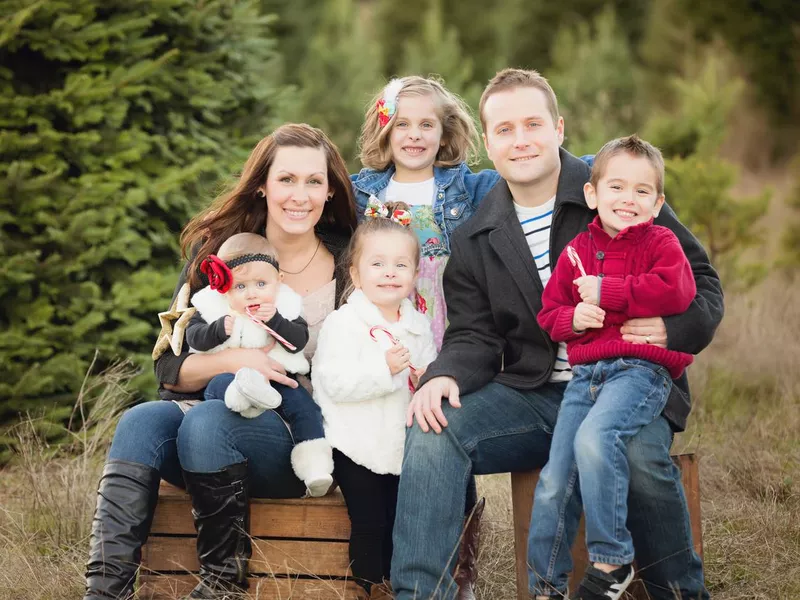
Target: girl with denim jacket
{"type": "Point", "coordinates": [415, 142]}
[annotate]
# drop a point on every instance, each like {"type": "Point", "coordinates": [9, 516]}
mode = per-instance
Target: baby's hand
{"type": "Point", "coordinates": [587, 316]}
{"type": "Point", "coordinates": [228, 325]}
{"type": "Point", "coordinates": [265, 311]}
{"type": "Point", "coordinates": [588, 288]}
{"type": "Point", "coordinates": [398, 358]}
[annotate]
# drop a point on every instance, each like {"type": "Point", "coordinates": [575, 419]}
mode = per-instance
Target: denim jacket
{"type": "Point", "coordinates": [459, 191]}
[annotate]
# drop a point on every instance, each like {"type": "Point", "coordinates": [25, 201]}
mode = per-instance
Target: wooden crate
{"type": "Point", "coordinates": [299, 549]}
{"type": "Point", "coordinates": [522, 488]}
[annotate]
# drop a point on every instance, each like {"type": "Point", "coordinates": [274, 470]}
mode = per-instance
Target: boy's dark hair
{"type": "Point", "coordinates": [635, 146]}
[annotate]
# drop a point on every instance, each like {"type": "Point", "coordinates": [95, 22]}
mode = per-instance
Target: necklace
{"type": "Point", "coordinates": [319, 243]}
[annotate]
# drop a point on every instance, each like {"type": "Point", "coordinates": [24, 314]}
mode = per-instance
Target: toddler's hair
{"type": "Point", "coordinates": [246, 243]}
{"type": "Point", "coordinates": [459, 134]}
{"type": "Point", "coordinates": [511, 79]}
{"type": "Point", "coordinates": [372, 225]}
{"type": "Point", "coordinates": [635, 146]}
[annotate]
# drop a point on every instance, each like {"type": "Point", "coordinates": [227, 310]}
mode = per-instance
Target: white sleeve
{"type": "Point", "coordinates": [348, 366]}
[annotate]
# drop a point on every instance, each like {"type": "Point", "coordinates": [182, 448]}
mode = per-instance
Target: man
{"type": "Point", "coordinates": [502, 377]}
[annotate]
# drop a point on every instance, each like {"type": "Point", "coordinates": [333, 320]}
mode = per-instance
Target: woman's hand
{"type": "Point", "coordinates": [651, 330]}
{"type": "Point", "coordinates": [398, 358]}
{"type": "Point", "coordinates": [256, 358]}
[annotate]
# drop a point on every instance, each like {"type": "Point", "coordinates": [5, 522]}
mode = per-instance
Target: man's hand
{"type": "Point", "coordinates": [228, 325]}
{"type": "Point", "coordinates": [651, 330]}
{"type": "Point", "coordinates": [426, 405]}
{"type": "Point", "coordinates": [398, 358]}
{"type": "Point", "coordinates": [265, 311]}
{"type": "Point", "coordinates": [588, 288]}
{"type": "Point", "coordinates": [587, 316]}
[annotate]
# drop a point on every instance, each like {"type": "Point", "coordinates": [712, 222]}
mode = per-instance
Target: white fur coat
{"type": "Point", "coordinates": [212, 305]}
{"type": "Point", "coordinates": [363, 405]}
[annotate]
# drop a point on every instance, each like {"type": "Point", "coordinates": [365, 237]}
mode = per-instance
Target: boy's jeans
{"type": "Point", "coordinates": [604, 406]}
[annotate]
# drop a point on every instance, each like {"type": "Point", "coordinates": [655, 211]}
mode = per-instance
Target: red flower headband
{"type": "Point", "coordinates": [219, 273]}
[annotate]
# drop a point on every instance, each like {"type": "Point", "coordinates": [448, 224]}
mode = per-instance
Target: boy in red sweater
{"type": "Point", "coordinates": [623, 267]}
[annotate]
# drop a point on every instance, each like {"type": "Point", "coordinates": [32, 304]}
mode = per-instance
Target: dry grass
{"type": "Point", "coordinates": [746, 428]}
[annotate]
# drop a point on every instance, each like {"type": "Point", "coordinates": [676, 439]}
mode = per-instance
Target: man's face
{"type": "Point", "coordinates": [521, 139]}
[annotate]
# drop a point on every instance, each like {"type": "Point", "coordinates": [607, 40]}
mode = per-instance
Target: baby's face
{"type": "Point", "coordinates": [254, 283]}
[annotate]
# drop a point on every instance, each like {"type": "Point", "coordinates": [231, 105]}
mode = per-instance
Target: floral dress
{"type": "Point", "coordinates": [429, 295]}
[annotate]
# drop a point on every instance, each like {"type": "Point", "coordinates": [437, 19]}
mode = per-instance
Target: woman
{"type": "Point", "coordinates": [295, 189]}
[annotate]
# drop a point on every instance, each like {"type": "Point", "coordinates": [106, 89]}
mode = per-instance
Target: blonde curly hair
{"type": "Point", "coordinates": [459, 134]}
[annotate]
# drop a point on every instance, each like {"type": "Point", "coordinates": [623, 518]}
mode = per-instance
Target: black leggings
{"type": "Point", "coordinates": [371, 502]}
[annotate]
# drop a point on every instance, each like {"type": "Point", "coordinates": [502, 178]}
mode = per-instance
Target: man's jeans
{"type": "Point", "coordinates": [604, 406]}
{"type": "Point", "coordinates": [499, 429]}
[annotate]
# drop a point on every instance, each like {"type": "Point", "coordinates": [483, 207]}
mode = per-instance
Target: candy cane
{"type": "Point", "coordinates": [269, 330]}
{"type": "Point", "coordinates": [572, 254]}
{"type": "Point", "coordinates": [394, 341]}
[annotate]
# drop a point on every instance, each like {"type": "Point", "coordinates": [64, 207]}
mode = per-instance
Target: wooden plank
{"type": "Point", "coordinates": [267, 519]}
{"type": "Point", "coordinates": [168, 492]}
{"type": "Point", "coordinates": [523, 485]}
{"type": "Point", "coordinates": [172, 587]}
{"type": "Point", "coordinates": [280, 557]}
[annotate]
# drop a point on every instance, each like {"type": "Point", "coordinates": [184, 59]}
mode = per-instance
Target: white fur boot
{"type": "Point", "coordinates": [312, 462]}
{"type": "Point", "coordinates": [250, 394]}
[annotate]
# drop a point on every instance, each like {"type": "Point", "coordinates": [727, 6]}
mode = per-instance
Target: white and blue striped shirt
{"type": "Point", "coordinates": [536, 222]}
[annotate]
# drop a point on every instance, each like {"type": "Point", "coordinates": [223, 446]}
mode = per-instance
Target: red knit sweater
{"type": "Point", "coordinates": [644, 274]}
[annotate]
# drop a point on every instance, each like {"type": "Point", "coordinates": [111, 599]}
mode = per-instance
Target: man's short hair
{"type": "Point", "coordinates": [635, 146]}
{"type": "Point", "coordinates": [509, 79]}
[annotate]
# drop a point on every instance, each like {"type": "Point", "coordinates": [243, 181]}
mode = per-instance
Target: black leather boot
{"type": "Point", "coordinates": [126, 500]}
{"type": "Point", "coordinates": [221, 510]}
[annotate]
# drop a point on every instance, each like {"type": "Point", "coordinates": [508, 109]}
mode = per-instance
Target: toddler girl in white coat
{"type": "Point", "coordinates": [369, 356]}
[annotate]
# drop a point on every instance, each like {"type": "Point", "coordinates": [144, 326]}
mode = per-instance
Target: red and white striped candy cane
{"type": "Point", "coordinates": [269, 330]}
{"type": "Point", "coordinates": [572, 254]}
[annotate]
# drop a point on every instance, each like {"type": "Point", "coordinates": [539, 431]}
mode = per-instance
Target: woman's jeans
{"type": "Point", "coordinates": [500, 429]}
{"type": "Point", "coordinates": [297, 408]}
{"type": "Point", "coordinates": [604, 406]}
{"type": "Point", "coordinates": [209, 438]}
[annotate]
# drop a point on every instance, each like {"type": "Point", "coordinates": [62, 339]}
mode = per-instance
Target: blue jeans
{"type": "Point", "coordinates": [297, 408]}
{"type": "Point", "coordinates": [206, 439]}
{"type": "Point", "coordinates": [500, 429]}
{"type": "Point", "coordinates": [604, 406]}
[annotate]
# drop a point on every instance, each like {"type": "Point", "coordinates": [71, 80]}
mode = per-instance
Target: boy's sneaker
{"type": "Point", "coordinates": [599, 585]}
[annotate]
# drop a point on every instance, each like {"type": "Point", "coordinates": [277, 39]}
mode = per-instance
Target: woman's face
{"type": "Point", "coordinates": [296, 189]}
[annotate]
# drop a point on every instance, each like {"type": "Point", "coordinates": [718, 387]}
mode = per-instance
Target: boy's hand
{"type": "Point", "coordinates": [228, 325]}
{"type": "Point", "coordinates": [398, 358]}
{"type": "Point", "coordinates": [265, 311]}
{"type": "Point", "coordinates": [588, 288]}
{"type": "Point", "coordinates": [587, 316]}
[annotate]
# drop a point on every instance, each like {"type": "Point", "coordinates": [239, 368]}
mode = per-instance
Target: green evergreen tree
{"type": "Point", "coordinates": [597, 81]}
{"type": "Point", "coordinates": [117, 119]}
{"type": "Point", "coordinates": [698, 181]}
{"type": "Point", "coordinates": [437, 51]}
{"type": "Point", "coordinates": [339, 73]}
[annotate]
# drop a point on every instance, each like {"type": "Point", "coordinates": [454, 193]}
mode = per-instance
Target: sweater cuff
{"type": "Point", "coordinates": [562, 328]}
{"type": "Point", "coordinates": [612, 294]}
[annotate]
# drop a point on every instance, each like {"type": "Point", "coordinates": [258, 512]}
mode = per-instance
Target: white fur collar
{"type": "Point", "coordinates": [410, 320]}
{"type": "Point", "coordinates": [212, 305]}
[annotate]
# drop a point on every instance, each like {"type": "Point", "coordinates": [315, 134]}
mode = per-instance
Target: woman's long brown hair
{"type": "Point", "coordinates": [242, 210]}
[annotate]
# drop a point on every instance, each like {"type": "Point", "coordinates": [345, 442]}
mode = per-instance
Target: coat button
{"type": "Point", "coordinates": [600, 255]}
{"type": "Point", "coordinates": [454, 211]}
{"type": "Point", "coordinates": [601, 275]}
{"type": "Point", "coordinates": [441, 195]}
